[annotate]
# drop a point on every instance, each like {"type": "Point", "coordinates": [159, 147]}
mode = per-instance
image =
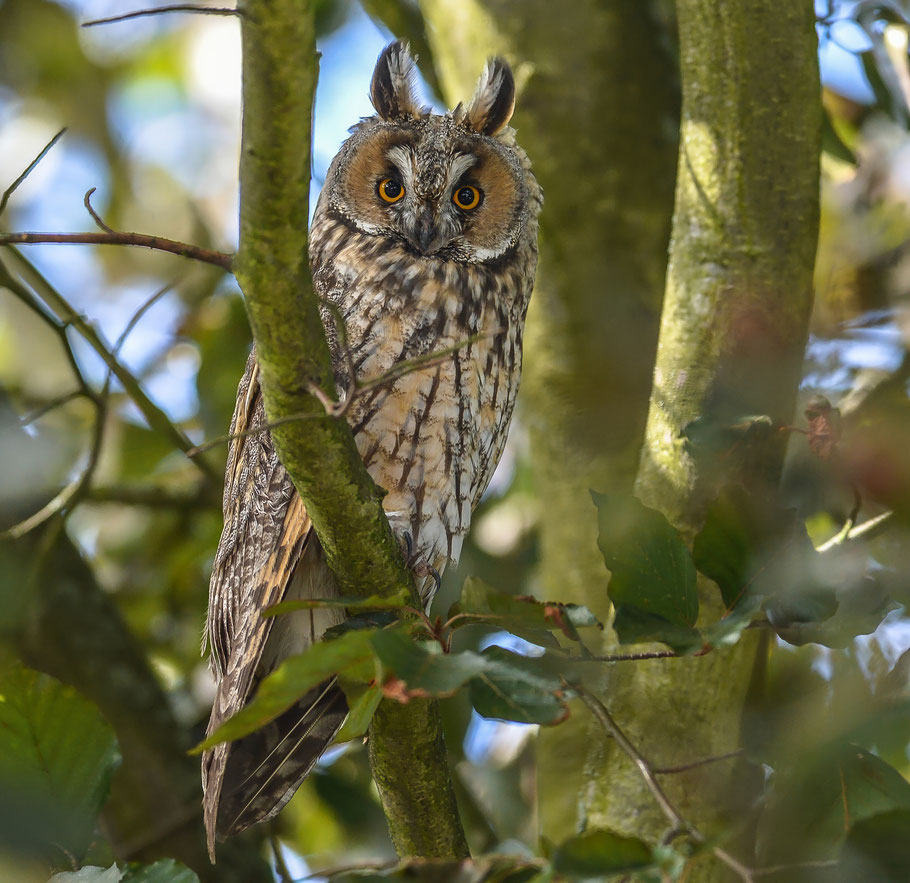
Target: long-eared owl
{"type": "Point", "coordinates": [424, 240]}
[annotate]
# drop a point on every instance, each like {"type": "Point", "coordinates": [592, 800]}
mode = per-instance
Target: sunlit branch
{"type": "Point", "coordinates": [160, 10]}
{"type": "Point", "coordinates": [142, 240]}
{"type": "Point", "coordinates": [867, 530]}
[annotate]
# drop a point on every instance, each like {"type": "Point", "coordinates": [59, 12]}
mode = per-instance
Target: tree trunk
{"type": "Point", "coordinates": [733, 331]}
{"type": "Point", "coordinates": [597, 112]}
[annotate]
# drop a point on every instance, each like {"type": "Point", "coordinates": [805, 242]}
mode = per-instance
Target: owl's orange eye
{"type": "Point", "coordinates": [390, 190]}
{"type": "Point", "coordinates": [466, 197]}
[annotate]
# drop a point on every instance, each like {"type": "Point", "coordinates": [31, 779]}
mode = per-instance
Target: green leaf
{"type": "Point", "coordinates": [520, 615]}
{"type": "Point", "coordinates": [634, 626]}
{"type": "Point", "coordinates": [360, 713]}
{"type": "Point", "coordinates": [518, 688]}
{"type": "Point", "coordinates": [57, 756]}
{"type": "Point", "coordinates": [164, 870]}
{"type": "Point", "coordinates": [652, 570]}
{"type": "Point", "coordinates": [815, 804]}
{"type": "Point", "coordinates": [350, 602]}
{"type": "Point", "coordinates": [871, 786]}
{"type": "Point", "coordinates": [425, 669]}
{"type": "Point", "coordinates": [600, 852]}
{"type": "Point", "coordinates": [503, 684]}
{"type": "Point", "coordinates": [292, 679]}
{"type": "Point", "coordinates": [724, 548]}
{"type": "Point", "coordinates": [761, 556]}
{"type": "Point", "coordinates": [878, 848]}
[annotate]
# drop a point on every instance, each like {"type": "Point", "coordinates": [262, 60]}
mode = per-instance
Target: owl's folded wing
{"type": "Point", "coordinates": [266, 531]}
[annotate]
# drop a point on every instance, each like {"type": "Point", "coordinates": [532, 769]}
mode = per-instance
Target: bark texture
{"type": "Point", "coordinates": [733, 331]}
{"type": "Point", "coordinates": [279, 80]}
{"type": "Point", "coordinates": [597, 112]}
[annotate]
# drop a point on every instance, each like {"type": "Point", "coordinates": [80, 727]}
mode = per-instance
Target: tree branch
{"type": "Point", "coordinates": [143, 240]}
{"type": "Point", "coordinates": [68, 627]}
{"type": "Point", "coordinates": [649, 775]}
{"type": "Point", "coordinates": [4, 199]}
{"type": "Point", "coordinates": [279, 79]}
{"type": "Point", "coordinates": [160, 10]}
{"type": "Point", "coordinates": [65, 316]}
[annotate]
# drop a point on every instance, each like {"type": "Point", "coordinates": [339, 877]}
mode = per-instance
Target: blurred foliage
{"type": "Point", "coordinates": [825, 763]}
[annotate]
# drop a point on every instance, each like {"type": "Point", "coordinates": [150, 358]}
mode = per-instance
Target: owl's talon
{"type": "Point", "coordinates": [423, 570]}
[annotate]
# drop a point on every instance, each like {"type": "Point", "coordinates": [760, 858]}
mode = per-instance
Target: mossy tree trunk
{"type": "Point", "coordinates": [733, 331]}
{"type": "Point", "coordinates": [598, 113]}
{"type": "Point", "coordinates": [279, 82]}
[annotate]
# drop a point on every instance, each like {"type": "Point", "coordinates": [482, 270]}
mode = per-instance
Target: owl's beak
{"type": "Point", "coordinates": [427, 237]}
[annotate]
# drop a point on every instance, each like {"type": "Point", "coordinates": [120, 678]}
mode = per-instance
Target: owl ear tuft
{"type": "Point", "coordinates": [491, 106]}
{"type": "Point", "coordinates": [392, 89]}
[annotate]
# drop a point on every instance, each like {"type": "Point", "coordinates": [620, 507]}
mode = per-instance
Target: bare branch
{"type": "Point", "coordinates": [142, 240]}
{"type": "Point", "coordinates": [160, 10]}
{"type": "Point", "coordinates": [868, 529]}
{"type": "Point", "coordinates": [57, 402]}
{"type": "Point", "coordinates": [62, 315]}
{"type": "Point", "coordinates": [29, 169]}
{"type": "Point", "coordinates": [777, 869]}
{"type": "Point", "coordinates": [203, 496]}
{"type": "Point", "coordinates": [685, 767]}
{"type": "Point", "coordinates": [632, 657]}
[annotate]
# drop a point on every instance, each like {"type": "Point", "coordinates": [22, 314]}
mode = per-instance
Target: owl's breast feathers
{"type": "Point", "coordinates": [432, 436]}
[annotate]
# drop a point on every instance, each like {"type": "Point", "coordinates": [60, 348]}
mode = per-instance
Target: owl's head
{"type": "Point", "coordinates": [451, 187]}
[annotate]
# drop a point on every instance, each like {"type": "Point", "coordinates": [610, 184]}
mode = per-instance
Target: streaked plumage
{"type": "Point", "coordinates": [411, 273]}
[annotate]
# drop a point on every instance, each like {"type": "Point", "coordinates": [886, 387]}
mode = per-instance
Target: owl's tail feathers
{"type": "Point", "coordinates": [250, 780]}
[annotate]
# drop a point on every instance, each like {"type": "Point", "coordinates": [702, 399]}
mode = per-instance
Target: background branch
{"type": "Point", "coordinates": [143, 240]}
{"type": "Point", "coordinates": [67, 626]}
{"type": "Point", "coordinates": [67, 316]}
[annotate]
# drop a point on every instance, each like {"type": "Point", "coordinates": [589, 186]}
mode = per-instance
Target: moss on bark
{"type": "Point", "coordinates": [279, 80]}
{"type": "Point", "coordinates": [732, 335]}
{"type": "Point", "coordinates": [597, 113]}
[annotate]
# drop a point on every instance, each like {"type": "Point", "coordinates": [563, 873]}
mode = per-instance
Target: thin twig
{"type": "Point", "coordinates": [677, 821]}
{"type": "Point", "coordinates": [58, 402]}
{"type": "Point", "coordinates": [281, 867]}
{"type": "Point", "coordinates": [159, 10]}
{"type": "Point", "coordinates": [87, 202]}
{"type": "Point", "coordinates": [64, 315]}
{"type": "Point", "coordinates": [142, 240]}
{"type": "Point", "coordinates": [144, 307]}
{"type": "Point", "coordinates": [685, 767]}
{"type": "Point", "coordinates": [203, 497]}
{"type": "Point", "coordinates": [339, 409]}
{"type": "Point", "coordinates": [633, 657]}
{"type": "Point", "coordinates": [867, 530]}
{"type": "Point", "coordinates": [777, 869]}
{"type": "Point", "coordinates": [29, 169]}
